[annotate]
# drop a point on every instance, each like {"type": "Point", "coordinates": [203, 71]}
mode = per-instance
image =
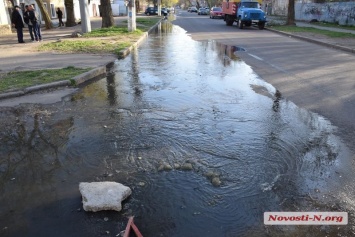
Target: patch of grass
{"type": "Point", "coordinates": [21, 79]}
{"type": "Point", "coordinates": [273, 22]}
{"type": "Point", "coordinates": [328, 24]}
{"type": "Point", "coordinates": [87, 46]}
{"type": "Point", "coordinates": [148, 21]}
{"type": "Point", "coordinates": [144, 23]}
{"type": "Point", "coordinates": [111, 31]}
{"type": "Point", "coordinates": [313, 30]}
{"type": "Point", "coordinates": [103, 40]}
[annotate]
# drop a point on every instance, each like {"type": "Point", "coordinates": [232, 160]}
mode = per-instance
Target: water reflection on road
{"type": "Point", "coordinates": [205, 144]}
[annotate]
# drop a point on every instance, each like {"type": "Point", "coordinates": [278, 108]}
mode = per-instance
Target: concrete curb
{"type": "Point", "coordinates": [89, 75]}
{"type": "Point", "coordinates": [46, 86]}
{"type": "Point", "coordinates": [346, 49]}
{"type": "Point", "coordinates": [11, 94]}
{"type": "Point", "coordinates": [79, 79]}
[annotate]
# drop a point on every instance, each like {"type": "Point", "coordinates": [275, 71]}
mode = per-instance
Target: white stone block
{"type": "Point", "coordinates": [100, 196]}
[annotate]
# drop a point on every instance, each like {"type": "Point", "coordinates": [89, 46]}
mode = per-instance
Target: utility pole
{"type": "Point", "coordinates": [85, 17]}
{"type": "Point", "coordinates": [131, 15]}
{"type": "Point", "coordinates": [159, 7]}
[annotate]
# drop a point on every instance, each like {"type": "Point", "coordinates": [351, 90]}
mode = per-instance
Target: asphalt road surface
{"type": "Point", "coordinates": [314, 77]}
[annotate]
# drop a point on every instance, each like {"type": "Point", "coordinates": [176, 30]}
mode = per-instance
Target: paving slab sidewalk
{"type": "Point", "coordinates": [25, 57]}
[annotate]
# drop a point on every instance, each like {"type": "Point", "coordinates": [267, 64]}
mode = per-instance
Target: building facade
{"type": "Point", "coordinates": [5, 21]}
{"type": "Point", "coordinates": [342, 12]}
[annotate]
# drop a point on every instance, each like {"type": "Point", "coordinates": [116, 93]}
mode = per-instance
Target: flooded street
{"type": "Point", "coordinates": [205, 144]}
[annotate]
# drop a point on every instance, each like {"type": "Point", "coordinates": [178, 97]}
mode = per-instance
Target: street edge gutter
{"type": "Point", "coordinates": [125, 52]}
{"type": "Point", "coordinates": [79, 79]}
{"type": "Point", "coordinates": [346, 49]}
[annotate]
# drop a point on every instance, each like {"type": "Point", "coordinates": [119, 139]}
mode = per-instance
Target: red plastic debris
{"type": "Point", "coordinates": [131, 225]}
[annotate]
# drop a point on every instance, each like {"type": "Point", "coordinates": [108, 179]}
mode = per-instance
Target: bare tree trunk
{"type": "Point", "coordinates": [291, 13]}
{"type": "Point", "coordinates": [137, 6]}
{"type": "Point", "coordinates": [106, 11]}
{"type": "Point", "coordinates": [198, 5]}
{"type": "Point", "coordinates": [45, 15]}
{"type": "Point", "coordinates": [69, 6]}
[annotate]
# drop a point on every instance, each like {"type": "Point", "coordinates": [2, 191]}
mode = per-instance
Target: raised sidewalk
{"type": "Point", "coordinates": [19, 57]}
{"type": "Point", "coordinates": [344, 44]}
{"type": "Point", "coordinates": [16, 56]}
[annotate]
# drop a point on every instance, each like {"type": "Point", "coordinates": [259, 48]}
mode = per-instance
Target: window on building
{"type": "Point", "coordinates": [53, 13]}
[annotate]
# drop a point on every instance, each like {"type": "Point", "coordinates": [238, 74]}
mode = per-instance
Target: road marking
{"type": "Point", "coordinates": [254, 56]}
{"type": "Point", "coordinates": [279, 68]}
{"type": "Point", "coordinates": [272, 65]}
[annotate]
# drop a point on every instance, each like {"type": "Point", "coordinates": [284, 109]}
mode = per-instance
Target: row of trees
{"type": "Point", "coordinates": [107, 17]}
{"type": "Point", "coordinates": [105, 8]}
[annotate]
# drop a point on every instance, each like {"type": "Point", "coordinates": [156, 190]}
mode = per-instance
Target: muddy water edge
{"type": "Point", "coordinates": [206, 145]}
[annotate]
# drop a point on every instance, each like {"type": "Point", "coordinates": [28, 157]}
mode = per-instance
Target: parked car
{"type": "Point", "coordinates": [193, 9]}
{"type": "Point", "coordinates": [154, 11]}
{"type": "Point", "coordinates": [189, 9]}
{"type": "Point", "coordinates": [216, 12]}
{"type": "Point", "coordinates": [164, 9]}
{"type": "Point", "coordinates": [151, 11]}
{"type": "Point", "coordinates": [202, 11]}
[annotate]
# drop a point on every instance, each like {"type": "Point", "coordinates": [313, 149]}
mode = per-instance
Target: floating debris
{"type": "Point", "coordinates": [141, 184]}
{"type": "Point", "coordinates": [187, 166]}
{"type": "Point", "coordinates": [216, 181]}
{"type": "Point", "coordinates": [165, 167]}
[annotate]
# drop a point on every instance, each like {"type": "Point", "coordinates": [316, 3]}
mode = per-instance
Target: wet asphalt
{"type": "Point", "coordinates": [313, 76]}
{"type": "Point", "coordinates": [197, 130]}
{"type": "Point", "coordinates": [206, 144]}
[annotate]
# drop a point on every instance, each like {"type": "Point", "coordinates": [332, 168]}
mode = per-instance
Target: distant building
{"type": "Point", "coordinates": [340, 12]}
{"type": "Point", "coordinates": [119, 8]}
{"type": "Point", "coordinates": [5, 13]}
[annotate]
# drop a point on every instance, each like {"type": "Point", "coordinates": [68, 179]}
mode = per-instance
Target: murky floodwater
{"type": "Point", "coordinates": [205, 145]}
